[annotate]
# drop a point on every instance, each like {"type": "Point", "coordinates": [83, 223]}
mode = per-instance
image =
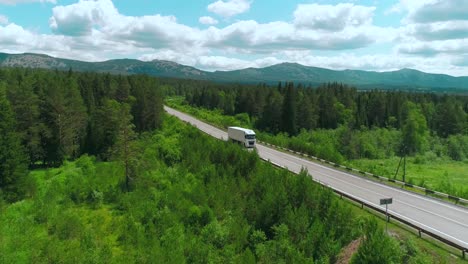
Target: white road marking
{"type": "Point", "coordinates": [381, 185]}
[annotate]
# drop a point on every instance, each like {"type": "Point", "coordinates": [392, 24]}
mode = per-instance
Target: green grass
{"type": "Point", "coordinates": [434, 173]}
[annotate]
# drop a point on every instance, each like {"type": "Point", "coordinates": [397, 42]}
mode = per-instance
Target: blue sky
{"type": "Point", "coordinates": [378, 35]}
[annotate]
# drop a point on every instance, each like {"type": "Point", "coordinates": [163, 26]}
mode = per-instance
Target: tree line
{"type": "Point", "coordinates": [51, 116]}
{"type": "Point", "coordinates": [289, 108]}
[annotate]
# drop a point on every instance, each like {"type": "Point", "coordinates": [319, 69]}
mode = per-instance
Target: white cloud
{"type": "Point", "coordinates": [429, 49]}
{"type": "Point", "coordinates": [332, 18]}
{"type": "Point", "coordinates": [253, 36]}
{"type": "Point", "coordinates": [408, 6]}
{"type": "Point", "coordinates": [80, 18]}
{"type": "Point", "coordinates": [433, 28]}
{"type": "Point", "coordinates": [438, 30]}
{"type": "Point", "coordinates": [207, 20]}
{"type": "Point", "coordinates": [154, 31]}
{"type": "Point", "coordinates": [14, 2]}
{"type": "Point", "coordinates": [14, 35]}
{"type": "Point", "coordinates": [426, 11]}
{"type": "Point", "coordinates": [3, 20]}
{"type": "Point", "coordinates": [164, 32]}
{"type": "Point", "coordinates": [209, 63]}
{"type": "Point", "coordinates": [441, 10]}
{"type": "Point", "coordinates": [229, 8]}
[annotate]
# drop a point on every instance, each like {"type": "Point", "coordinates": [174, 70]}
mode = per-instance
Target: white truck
{"type": "Point", "coordinates": [243, 136]}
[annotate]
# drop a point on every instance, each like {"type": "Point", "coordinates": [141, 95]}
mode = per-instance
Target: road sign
{"type": "Point", "coordinates": [385, 201]}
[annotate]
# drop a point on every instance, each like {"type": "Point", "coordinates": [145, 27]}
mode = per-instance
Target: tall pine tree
{"type": "Point", "coordinates": [13, 162]}
{"type": "Point", "coordinates": [124, 148]}
{"type": "Point", "coordinates": [289, 117]}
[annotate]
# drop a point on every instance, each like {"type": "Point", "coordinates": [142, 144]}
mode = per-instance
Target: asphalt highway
{"type": "Point", "coordinates": [444, 219]}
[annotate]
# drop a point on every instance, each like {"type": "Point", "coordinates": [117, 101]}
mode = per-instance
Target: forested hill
{"type": "Point", "coordinates": [404, 79]}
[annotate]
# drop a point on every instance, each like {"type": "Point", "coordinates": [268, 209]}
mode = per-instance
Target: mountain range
{"type": "Point", "coordinates": [404, 79]}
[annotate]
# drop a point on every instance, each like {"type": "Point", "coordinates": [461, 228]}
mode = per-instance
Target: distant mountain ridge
{"type": "Point", "coordinates": [405, 79]}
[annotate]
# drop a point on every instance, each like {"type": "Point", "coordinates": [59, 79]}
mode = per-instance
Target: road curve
{"type": "Point", "coordinates": [444, 219]}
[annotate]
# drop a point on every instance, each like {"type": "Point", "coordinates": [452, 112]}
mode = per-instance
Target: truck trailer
{"type": "Point", "coordinates": [243, 136]}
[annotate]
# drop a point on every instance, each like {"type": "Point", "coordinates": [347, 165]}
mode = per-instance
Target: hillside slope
{"type": "Point", "coordinates": [405, 79]}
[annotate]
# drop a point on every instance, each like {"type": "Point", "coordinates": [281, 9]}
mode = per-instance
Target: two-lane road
{"type": "Point", "coordinates": [446, 220]}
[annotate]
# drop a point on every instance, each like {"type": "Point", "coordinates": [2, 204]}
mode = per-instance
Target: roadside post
{"type": "Point", "coordinates": [386, 201]}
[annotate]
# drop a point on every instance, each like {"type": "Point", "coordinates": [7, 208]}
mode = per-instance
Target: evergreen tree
{"type": "Point", "coordinates": [25, 103]}
{"type": "Point", "coordinates": [271, 116]}
{"type": "Point", "coordinates": [75, 120]}
{"type": "Point", "coordinates": [124, 148]}
{"type": "Point", "coordinates": [449, 118]}
{"type": "Point", "coordinates": [289, 115]}
{"type": "Point", "coordinates": [123, 89]}
{"type": "Point", "coordinates": [12, 158]}
{"type": "Point", "coordinates": [414, 131]}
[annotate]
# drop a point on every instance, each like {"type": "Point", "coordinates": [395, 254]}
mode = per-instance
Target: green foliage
{"type": "Point", "coordinates": [280, 249]}
{"type": "Point", "coordinates": [289, 113]}
{"type": "Point", "coordinates": [124, 148]}
{"type": "Point", "coordinates": [13, 161]}
{"type": "Point", "coordinates": [377, 247]}
{"type": "Point", "coordinates": [291, 109]}
{"type": "Point", "coordinates": [414, 131]}
{"type": "Point", "coordinates": [450, 118]}
{"type": "Point", "coordinates": [457, 147]}
{"type": "Point", "coordinates": [194, 199]}
{"type": "Point", "coordinates": [61, 115]}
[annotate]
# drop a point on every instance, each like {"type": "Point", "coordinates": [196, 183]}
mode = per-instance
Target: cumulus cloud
{"type": "Point", "coordinates": [164, 32]}
{"type": "Point", "coordinates": [14, 2]}
{"type": "Point", "coordinates": [441, 10]}
{"type": "Point", "coordinates": [209, 62]}
{"type": "Point", "coordinates": [283, 35]}
{"type": "Point", "coordinates": [435, 47]}
{"type": "Point", "coordinates": [207, 20]}
{"type": "Point", "coordinates": [154, 31]}
{"type": "Point", "coordinates": [332, 17]}
{"type": "Point", "coordinates": [426, 11]}
{"type": "Point", "coordinates": [13, 34]}
{"type": "Point", "coordinates": [16, 39]}
{"type": "Point", "coordinates": [433, 28]}
{"type": "Point", "coordinates": [439, 30]}
{"type": "Point", "coordinates": [229, 8]}
{"type": "Point", "coordinates": [80, 18]}
{"type": "Point", "coordinates": [408, 6]}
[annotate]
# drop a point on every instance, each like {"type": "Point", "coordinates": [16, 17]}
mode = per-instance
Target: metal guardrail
{"type": "Point", "coordinates": [452, 198]}
{"type": "Point", "coordinates": [404, 221]}
{"type": "Point", "coordinates": [420, 230]}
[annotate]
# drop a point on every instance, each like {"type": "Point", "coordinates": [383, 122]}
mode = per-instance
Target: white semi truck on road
{"type": "Point", "coordinates": [243, 136]}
